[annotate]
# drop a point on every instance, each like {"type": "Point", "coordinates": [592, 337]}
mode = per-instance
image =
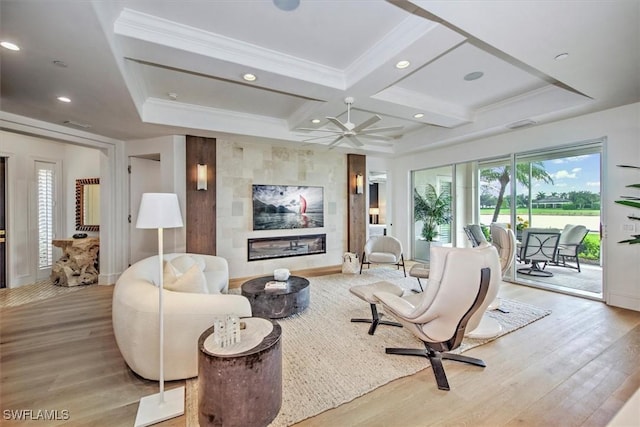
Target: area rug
{"type": "Point", "coordinates": [33, 292]}
{"type": "Point", "coordinates": [328, 361]}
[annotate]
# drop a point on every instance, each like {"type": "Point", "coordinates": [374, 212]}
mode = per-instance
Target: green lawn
{"type": "Point", "coordinates": [543, 211]}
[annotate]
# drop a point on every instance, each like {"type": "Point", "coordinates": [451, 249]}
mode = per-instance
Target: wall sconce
{"type": "Point", "coordinates": [202, 177]}
{"type": "Point", "coordinates": [359, 183]}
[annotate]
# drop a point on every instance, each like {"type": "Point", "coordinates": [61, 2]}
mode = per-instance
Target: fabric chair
{"type": "Point", "coordinates": [455, 299]}
{"type": "Point", "coordinates": [569, 244]}
{"type": "Point", "coordinates": [188, 314]}
{"type": "Point", "coordinates": [474, 234]}
{"type": "Point", "coordinates": [383, 250]}
{"type": "Point", "coordinates": [539, 248]}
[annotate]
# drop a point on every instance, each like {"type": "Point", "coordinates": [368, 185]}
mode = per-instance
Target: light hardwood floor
{"type": "Point", "coordinates": [575, 367]}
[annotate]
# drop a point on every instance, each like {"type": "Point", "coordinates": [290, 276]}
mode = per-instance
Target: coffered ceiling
{"type": "Point", "coordinates": [140, 68]}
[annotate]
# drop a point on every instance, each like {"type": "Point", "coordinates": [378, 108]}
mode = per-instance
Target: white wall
{"type": "Point", "coordinates": [621, 127]}
{"type": "Point", "coordinates": [241, 164]}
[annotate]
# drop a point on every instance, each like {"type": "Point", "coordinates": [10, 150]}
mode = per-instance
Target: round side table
{"type": "Point", "coordinates": [241, 385]}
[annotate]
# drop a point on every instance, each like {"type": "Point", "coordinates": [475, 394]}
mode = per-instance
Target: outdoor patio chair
{"type": "Point", "coordinates": [475, 234]}
{"type": "Point", "coordinates": [539, 248]}
{"type": "Point", "coordinates": [569, 245]}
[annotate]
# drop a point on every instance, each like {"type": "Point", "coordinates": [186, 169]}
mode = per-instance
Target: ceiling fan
{"type": "Point", "coordinates": [350, 132]}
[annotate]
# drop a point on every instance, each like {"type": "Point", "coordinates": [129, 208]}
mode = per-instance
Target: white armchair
{"type": "Point", "coordinates": [460, 283]}
{"type": "Point", "coordinates": [186, 316]}
{"type": "Point", "coordinates": [383, 250]}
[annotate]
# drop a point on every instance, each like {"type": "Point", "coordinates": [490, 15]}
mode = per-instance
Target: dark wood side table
{"type": "Point", "coordinates": [241, 385]}
{"type": "Point", "coordinates": [276, 303]}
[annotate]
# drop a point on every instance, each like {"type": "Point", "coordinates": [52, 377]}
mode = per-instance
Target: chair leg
{"type": "Point", "coordinates": [402, 262]}
{"type": "Point", "coordinates": [375, 320]}
{"type": "Point", "coordinates": [419, 284]}
{"type": "Point", "coordinates": [362, 263]}
{"type": "Point", "coordinates": [435, 358]}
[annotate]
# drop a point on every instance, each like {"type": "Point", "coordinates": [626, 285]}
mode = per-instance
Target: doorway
{"type": "Point", "coordinates": [3, 222]}
{"type": "Point", "coordinates": [552, 191]}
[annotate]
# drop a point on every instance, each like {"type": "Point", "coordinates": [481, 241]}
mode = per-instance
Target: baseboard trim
{"type": "Point", "coordinates": [309, 272]}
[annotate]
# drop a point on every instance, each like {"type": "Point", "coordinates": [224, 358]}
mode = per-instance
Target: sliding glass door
{"type": "Point", "coordinates": [559, 192]}
{"type": "Point", "coordinates": [556, 194]}
{"type": "Point", "coordinates": [432, 209]}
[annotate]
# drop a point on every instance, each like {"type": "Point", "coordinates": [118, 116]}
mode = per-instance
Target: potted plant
{"type": "Point", "coordinates": [433, 210]}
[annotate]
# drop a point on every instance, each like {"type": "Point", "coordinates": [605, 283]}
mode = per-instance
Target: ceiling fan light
{"type": "Point", "coordinates": [401, 65]}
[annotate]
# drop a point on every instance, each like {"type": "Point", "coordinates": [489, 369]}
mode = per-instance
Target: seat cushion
{"type": "Point", "coordinates": [382, 257]}
{"type": "Point", "coordinates": [420, 270]}
{"type": "Point", "coordinates": [366, 292]}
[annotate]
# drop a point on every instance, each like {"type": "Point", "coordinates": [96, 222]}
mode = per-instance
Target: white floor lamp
{"type": "Point", "coordinates": [160, 210]}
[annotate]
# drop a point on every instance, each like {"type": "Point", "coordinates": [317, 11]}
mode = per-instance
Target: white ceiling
{"type": "Point", "coordinates": [125, 57]}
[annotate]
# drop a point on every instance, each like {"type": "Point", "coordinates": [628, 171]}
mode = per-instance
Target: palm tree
{"type": "Point", "coordinates": [432, 209]}
{"type": "Point", "coordinates": [502, 175]}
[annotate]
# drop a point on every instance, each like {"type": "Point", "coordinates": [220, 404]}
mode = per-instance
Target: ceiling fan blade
{"type": "Point", "coordinates": [375, 137]}
{"type": "Point", "coordinates": [335, 142]}
{"type": "Point", "coordinates": [373, 119]}
{"type": "Point", "coordinates": [354, 141]}
{"type": "Point", "coordinates": [338, 123]}
{"type": "Point", "coordinates": [385, 129]}
{"type": "Point", "coordinates": [317, 137]}
{"type": "Point", "coordinates": [317, 130]}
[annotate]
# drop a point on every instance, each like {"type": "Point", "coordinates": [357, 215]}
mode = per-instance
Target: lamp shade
{"type": "Point", "coordinates": [159, 210]}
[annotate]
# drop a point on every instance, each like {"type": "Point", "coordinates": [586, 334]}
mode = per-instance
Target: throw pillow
{"type": "Point", "coordinates": [183, 263]}
{"type": "Point", "coordinates": [192, 281]}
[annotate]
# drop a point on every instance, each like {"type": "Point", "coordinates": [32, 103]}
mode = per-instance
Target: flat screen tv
{"type": "Point", "coordinates": [278, 207]}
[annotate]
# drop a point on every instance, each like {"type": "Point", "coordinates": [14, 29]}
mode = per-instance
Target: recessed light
{"type": "Point", "coordinates": [316, 121]}
{"type": "Point", "coordinates": [473, 76]}
{"type": "Point", "coordinates": [286, 5]}
{"type": "Point", "coordinates": [418, 115]}
{"type": "Point", "coordinates": [64, 99]}
{"type": "Point", "coordinates": [561, 56]}
{"type": "Point", "coordinates": [9, 45]}
{"type": "Point", "coordinates": [60, 64]}
{"type": "Point", "coordinates": [249, 77]}
{"type": "Point", "coordinates": [402, 64]}
{"type": "Point", "coordinates": [172, 96]}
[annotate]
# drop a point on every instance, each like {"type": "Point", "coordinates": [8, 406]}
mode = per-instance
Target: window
{"type": "Point", "coordinates": [45, 181]}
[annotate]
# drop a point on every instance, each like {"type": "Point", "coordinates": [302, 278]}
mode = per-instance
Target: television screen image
{"type": "Point", "coordinates": [277, 207]}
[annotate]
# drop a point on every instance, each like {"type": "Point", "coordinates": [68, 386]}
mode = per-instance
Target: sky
{"type": "Point", "coordinates": [577, 173]}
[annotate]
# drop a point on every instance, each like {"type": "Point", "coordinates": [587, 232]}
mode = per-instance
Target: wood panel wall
{"type": "Point", "coordinates": [201, 204]}
{"type": "Point", "coordinates": [357, 208]}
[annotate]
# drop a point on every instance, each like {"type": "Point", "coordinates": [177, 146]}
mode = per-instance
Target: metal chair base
{"type": "Point", "coordinates": [375, 320]}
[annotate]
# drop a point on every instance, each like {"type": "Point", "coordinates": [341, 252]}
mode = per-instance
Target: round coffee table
{"type": "Point", "coordinates": [276, 303]}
